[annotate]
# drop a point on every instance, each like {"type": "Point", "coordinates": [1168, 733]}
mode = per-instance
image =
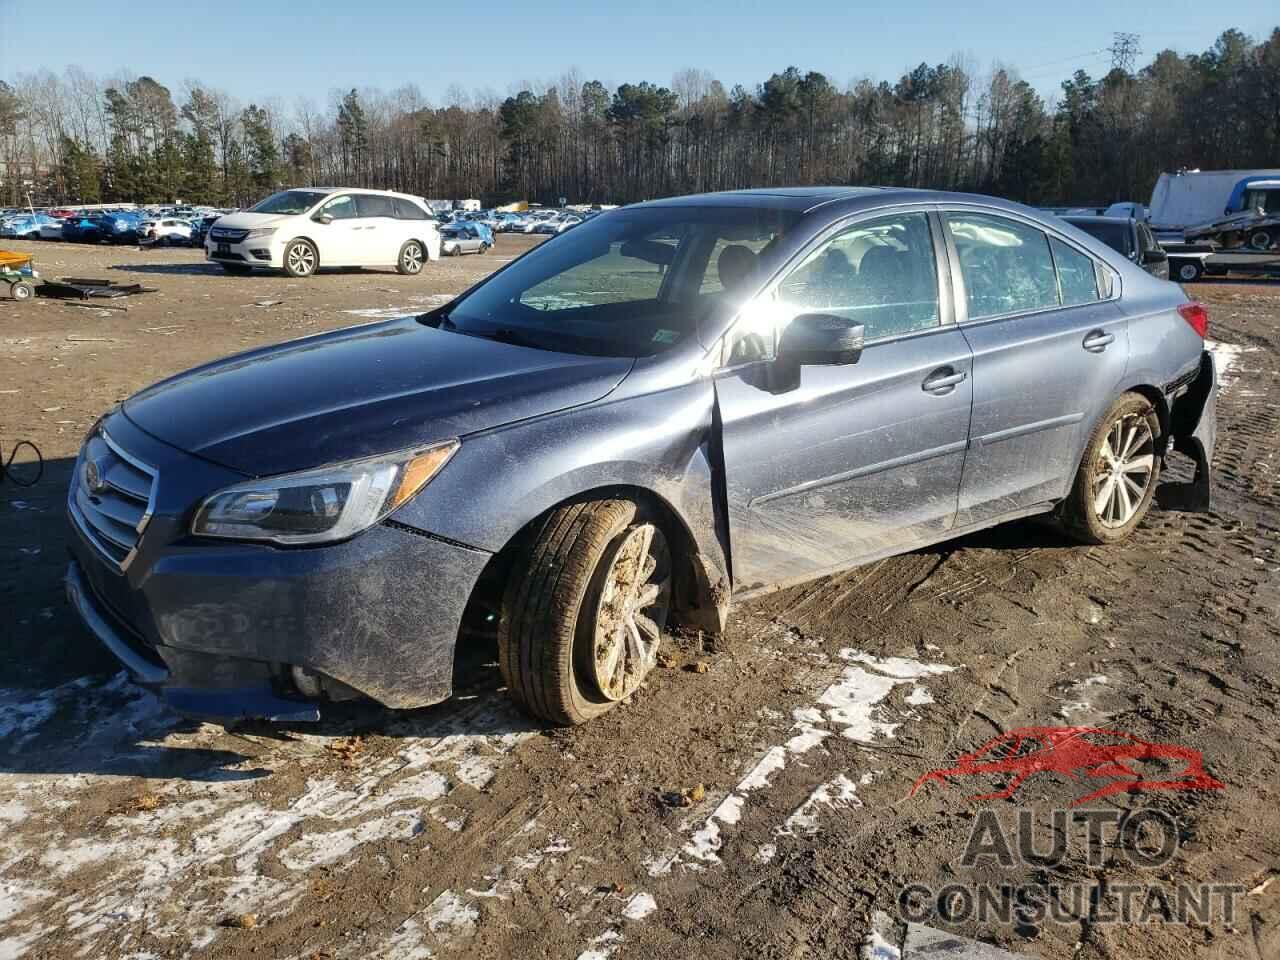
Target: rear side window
{"type": "Point", "coordinates": [1077, 277]}
{"type": "Point", "coordinates": [408, 210]}
{"type": "Point", "coordinates": [1006, 265]}
{"type": "Point", "coordinates": [374, 206]}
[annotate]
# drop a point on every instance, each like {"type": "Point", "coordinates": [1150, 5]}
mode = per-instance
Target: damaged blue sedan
{"type": "Point", "coordinates": [671, 407]}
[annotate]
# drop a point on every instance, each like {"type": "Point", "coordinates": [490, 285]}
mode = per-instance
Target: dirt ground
{"type": "Point", "coordinates": [754, 799]}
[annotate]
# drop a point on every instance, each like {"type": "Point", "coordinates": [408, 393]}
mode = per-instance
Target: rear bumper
{"type": "Point", "coordinates": [1193, 426]}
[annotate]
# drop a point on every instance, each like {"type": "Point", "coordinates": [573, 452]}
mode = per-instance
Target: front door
{"type": "Point", "coordinates": [1049, 348]}
{"type": "Point", "coordinates": [828, 466]}
{"type": "Point", "coordinates": [338, 241]}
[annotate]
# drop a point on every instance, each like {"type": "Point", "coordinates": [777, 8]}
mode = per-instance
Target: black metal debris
{"type": "Point", "coordinates": [81, 288]}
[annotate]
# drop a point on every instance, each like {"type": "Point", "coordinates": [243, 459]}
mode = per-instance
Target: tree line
{"type": "Point", "coordinates": [75, 137]}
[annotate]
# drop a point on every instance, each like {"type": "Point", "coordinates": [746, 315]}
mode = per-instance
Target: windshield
{"type": "Point", "coordinates": [1117, 236]}
{"type": "Point", "coordinates": [289, 202]}
{"type": "Point", "coordinates": [630, 284]}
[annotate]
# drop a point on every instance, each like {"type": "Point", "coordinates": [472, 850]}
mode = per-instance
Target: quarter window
{"type": "Point", "coordinates": [881, 274]}
{"type": "Point", "coordinates": [1007, 266]}
{"type": "Point", "coordinates": [408, 210]}
{"type": "Point", "coordinates": [1076, 274]}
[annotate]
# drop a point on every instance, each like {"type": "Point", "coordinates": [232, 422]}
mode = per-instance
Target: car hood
{"type": "Point", "coordinates": [250, 221]}
{"type": "Point", "coordinates": [359, 392]}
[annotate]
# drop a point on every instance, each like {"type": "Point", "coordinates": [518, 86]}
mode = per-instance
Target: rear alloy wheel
{"type": "Point", "coordinates": [1117, 478]}
{"type": "Point", "coordinates": [1190, 271]}
{"type": "Point", "coordinates": [300, 259]}
{"type": "Point", "coordinates": [580, 630]}
{"type": "Point", "coordinates": [410, 259]}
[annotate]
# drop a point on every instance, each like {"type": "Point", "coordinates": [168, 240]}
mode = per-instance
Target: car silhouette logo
{"type": "Point", "coordinates": [1076, 752]}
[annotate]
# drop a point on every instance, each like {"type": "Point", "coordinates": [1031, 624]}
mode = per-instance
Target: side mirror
{"type": "Point", "coordinates": [325, 218]}
{"type": "Point", "coordinates": [821, 338]}
{"type": "Point", "coordinates": [1154, 256]}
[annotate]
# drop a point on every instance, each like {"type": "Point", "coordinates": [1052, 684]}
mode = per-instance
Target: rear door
{"type": "Point", "coordinates": [828, 466]}
{"type": "Point", "coordinates": [1049, 349]}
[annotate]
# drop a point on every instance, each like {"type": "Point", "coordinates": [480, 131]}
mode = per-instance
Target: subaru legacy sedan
{"type": "Point", "coordinates": [667, 409]}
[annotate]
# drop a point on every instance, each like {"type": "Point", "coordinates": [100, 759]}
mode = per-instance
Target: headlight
{"type": "Point", "coordinates": [323, 505]}
{"type": "Point", "coordinates": [261, 233]}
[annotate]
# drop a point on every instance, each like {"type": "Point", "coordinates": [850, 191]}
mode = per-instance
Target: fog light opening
{"type": "Point", "coordinates": [307, 682]}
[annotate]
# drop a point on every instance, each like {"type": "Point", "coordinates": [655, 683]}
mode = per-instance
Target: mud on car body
{"type": "Point", "coordinates": [672, 406]}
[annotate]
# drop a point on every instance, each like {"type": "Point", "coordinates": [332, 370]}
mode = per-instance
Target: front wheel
{"type": "Point", "coordinates": [1117, 477]}
{"type": "Point", "coordinates": [22, 290]}
{"type": "Point", "coordinates": [300, 258]}
{"type": "Point", "coordinates": [581, 625]}
{"type": "Point", "coordinates": [410, 259]}
{"type": "Point", "coordinates": [1189, 271]}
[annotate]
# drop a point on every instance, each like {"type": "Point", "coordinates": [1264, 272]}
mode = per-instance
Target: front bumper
{"type": "Point", "coordinates": [256, 252]}
{"type": "Point", "coordinates": [215, 627]}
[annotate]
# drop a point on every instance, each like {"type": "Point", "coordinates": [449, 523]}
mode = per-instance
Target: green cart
{"type": "Point", "coordinates": [16, 275]}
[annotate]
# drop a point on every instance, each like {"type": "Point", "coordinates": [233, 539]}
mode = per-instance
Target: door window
{"type": "Point", "coordinates": [370, 205]}
{"type": "Point", "coordinates": [341, 208]}
{"type": "Point", "coordinates": [1006, 265]}
{"type": "Point", "coordinates": [881, 274]}
{"type": "Point", "coordinates": [1076, 274]}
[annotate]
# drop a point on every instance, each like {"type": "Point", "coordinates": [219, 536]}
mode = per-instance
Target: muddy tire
{"type": "Point", "coordinates": [22, 290]}
{"type": "Point", "coordinates": [1262, 239]}
{"type": "Point", "coordinates": [583, 614]}
{"type": "Point", "coordinates": [300, 258]}
{"type": "Point", "coordinates": [1118, 473]}
{"type": "Point", "coordinates": [412, 255]}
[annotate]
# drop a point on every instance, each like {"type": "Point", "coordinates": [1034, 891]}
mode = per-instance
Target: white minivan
{"type": "Point", "coordinates": [299, 231]}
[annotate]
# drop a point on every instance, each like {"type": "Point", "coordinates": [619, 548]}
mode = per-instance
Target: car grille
{"type": "Point", "coordinates": [112, 497]}
{"type": "Point", "coordinates": [227, 235]}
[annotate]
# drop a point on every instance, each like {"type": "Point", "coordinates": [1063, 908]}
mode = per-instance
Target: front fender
{"type": "Point", "coordinates": [661, 443]}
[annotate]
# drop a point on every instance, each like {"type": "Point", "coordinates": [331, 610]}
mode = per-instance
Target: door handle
{"type": "Point", "coordinates": [1096, 341]}
{"type": "Point", "coordinates": [942, 380]}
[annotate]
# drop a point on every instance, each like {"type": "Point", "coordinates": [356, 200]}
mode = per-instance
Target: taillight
{"type": "Point", "coordinates": [1196, 315]}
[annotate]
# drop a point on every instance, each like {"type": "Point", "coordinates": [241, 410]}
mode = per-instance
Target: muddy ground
{"type": "Point", "coordinates": [754, 799]}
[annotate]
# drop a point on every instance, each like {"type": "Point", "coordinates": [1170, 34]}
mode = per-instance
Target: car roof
{"type": "Point", "coordinates": [839, 199]}
{"type": "Point", "coordinates": [1086, 218]}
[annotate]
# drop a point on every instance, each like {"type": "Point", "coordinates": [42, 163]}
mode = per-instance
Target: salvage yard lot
{"type": "Point", "coordinates": [753, 800]}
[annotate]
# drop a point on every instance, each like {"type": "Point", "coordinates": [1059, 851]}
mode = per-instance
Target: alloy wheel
{"type": "Point", "coordinates": [302, 259]}
{"type": "Point", "coordinates": [632, 610]}
{"type": "Point", "coordinates": [1125, 467]}
{"type": "Point", "coordinates": [412, 258]}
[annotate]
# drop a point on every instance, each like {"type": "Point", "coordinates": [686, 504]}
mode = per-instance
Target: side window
{"type": "Point", "coordinates": [881, 274]}
{"type": "Point", "coordinates": [408, 210]}
{"type": "Point", "coordinates": [341, 208]}
{"type": "Point", "coordinates": [370, 205]}
{"type": "Point", "coordinates": [1006, 265]}
{"type": "Point", "coordinates": [1076, 274]}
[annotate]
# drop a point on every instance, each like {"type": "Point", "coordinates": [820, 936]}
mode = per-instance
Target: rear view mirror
{"type": "Point", "coordinates": [1154, 256]}
{"type": "Point", "coordinates": [821, 338]}
{"type": "Point", "coordinates": [651, 251]}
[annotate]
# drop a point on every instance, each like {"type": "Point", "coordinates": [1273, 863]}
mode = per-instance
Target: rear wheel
{"type": "Point", "coordinates": [411, 257]}
{"type": "Point", "coordinates": [1261, 239]}
{"type": "Point", "coordinates": [1117, 477]}
{"type": "Point", "coordinates": [580, 629]}
{"type": "Point", "coordinates": [300, 258]}
{"type": "Point", "coordinates": [1189, 271]}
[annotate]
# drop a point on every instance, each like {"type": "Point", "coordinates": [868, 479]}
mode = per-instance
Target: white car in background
{"type": "Point", "coordinates": [299, 231]}
{"type": "Point", "coordinates": [165, 231]}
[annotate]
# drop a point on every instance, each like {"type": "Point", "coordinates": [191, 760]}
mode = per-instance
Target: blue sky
{"type": "Point", "coordinates": [312, 47]}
